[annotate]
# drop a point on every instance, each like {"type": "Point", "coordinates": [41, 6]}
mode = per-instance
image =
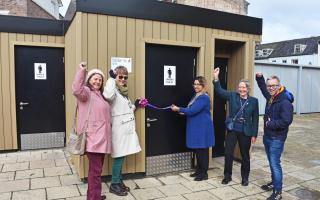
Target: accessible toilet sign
{"type": "Point", "coordinates": [40, 71]}
{"type": "Point", "coordinates": [169, 75]}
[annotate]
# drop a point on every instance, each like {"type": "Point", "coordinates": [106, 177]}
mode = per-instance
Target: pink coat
{"type": "Point", "coordinates": [99, 126]}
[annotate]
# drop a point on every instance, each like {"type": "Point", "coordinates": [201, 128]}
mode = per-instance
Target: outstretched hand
{"type": "Point", "coordinates": [83, 65]}
{"type": "Point", "coordinates": [259, 74]}
{"type": "Point", "coordinates": [216, 72]}
{"type": "Point", "coordinates": [112, 74]}
{"type": "Point", "coordinates": [175, 108]}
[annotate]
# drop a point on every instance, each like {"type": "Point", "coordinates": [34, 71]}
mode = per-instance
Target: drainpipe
{"type": "Point", "coordinates": [298, 98]}
{"type": "Point", "coordinates": [318, 64]}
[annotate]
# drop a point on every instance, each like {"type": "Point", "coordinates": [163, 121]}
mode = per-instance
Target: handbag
{"type": "Point", "coordinates": [231, 123]}
{"type": "Point", "coordinates": [77, 141]}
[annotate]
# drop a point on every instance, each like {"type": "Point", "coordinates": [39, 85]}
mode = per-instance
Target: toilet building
{"type": "Point", "coordinates": [164, 46]}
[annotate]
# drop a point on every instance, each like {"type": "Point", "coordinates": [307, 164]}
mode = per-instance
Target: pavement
{"type": "Point", "coordinates": [49, 174]}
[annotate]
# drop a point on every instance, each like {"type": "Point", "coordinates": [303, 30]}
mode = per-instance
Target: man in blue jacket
{"type": "Point", "coordinates": [277, 118]}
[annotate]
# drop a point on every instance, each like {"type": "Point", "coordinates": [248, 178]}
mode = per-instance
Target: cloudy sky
{"type": "Point", "coordinates": [287, 19]}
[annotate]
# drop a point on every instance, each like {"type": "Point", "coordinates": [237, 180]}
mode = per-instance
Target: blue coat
{"type": "Point", "coordinates": [278, 114]}
{"type": "Point", "coordinates": [200, 132]}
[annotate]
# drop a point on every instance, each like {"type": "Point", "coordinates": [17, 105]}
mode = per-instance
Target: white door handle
{"type": "Point", "coordinates": [151, 120]}
{"type": "Point", "coordinates": [23, 103]}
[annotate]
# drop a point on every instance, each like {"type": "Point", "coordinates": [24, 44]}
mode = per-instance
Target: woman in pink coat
{"type": "Point", "coordinates": [87, 88]}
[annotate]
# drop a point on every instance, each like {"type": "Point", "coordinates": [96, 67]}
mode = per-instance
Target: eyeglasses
{"type": "Point", "coordinates": [272, 86]}
{"type": "Point", "coordinates": [197, 84]}
{"type": "Point", "coordinates": [123, 77]}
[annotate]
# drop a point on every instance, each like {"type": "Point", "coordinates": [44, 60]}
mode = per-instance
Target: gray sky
{"type": "Point", "coordinates": [287, 19]}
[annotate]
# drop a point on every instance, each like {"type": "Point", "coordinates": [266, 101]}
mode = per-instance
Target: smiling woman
{"type": "Point", "coordinates": [244, 115]}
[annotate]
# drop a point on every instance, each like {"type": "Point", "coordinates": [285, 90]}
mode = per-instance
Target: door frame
{"type": "Point", "coordinates": [12, 67]}
{"type": "Point", "coordinates": [140, 76]}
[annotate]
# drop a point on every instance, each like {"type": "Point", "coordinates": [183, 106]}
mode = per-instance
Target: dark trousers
{"type": "Point", "coordinates": [244, 144]}
{"type": "Point", "coordinates": [202, 156]}
{"type": "Point", "coordinates": [94, 176]}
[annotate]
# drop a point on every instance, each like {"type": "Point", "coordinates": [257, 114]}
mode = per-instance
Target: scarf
{"type": "Point", "coordinates": [123, 90]}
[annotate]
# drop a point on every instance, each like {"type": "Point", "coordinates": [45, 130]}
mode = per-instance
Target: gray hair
{"type": "Point", "coordinates": [247, 83]}
{"type": "Point", "coordinates": [273, 77]}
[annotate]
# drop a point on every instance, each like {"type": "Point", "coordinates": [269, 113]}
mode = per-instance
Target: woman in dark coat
{"type": "Point", "coordinates": [200, 133]}
{"type": "Point", "coordinates": [244, 109]}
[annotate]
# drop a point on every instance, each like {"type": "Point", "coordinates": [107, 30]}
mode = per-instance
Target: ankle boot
{"type": "Point", "coordinates": [116, 189]}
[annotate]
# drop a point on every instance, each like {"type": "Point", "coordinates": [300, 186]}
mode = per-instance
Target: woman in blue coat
{"type": "Point", "coordinates": [200, 132]}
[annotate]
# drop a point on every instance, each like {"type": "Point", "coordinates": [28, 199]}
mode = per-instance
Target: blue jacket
{"type": "Point", "coordinates": [278, 114]}
{"type": "Point", "coordinates": [251, 114]}
{"type": "Point", "coordinates": [200, 133]}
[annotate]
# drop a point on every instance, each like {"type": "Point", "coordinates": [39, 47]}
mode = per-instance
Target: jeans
{"type": "Point", "coordinates": [94, 176]}
{"type": "Point", "coordinates": [274, 148]}
{"type": "Point", "coordinates": [244, 144]}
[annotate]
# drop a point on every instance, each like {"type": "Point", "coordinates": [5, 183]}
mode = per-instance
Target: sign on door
{"type": "Point", "coordinates": [40, 71]}
{"type": "Point", "coordinates": [169, 75]}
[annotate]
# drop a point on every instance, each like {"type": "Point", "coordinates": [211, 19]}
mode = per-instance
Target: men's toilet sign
{"type": "Point", "coordinates": [40, 71]}
{"type": "Point", "coordinates": [169, 75]}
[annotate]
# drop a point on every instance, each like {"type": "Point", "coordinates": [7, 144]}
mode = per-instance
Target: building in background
{"type": "Point", "coordinates": [232, 6]}
{"type": "Point", "coordinates": [304, 51]}
{"type": "Point", "coordinates": [31, 8]}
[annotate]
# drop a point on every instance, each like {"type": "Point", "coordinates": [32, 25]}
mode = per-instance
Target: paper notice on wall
{"type": "Point", "coordinates": [169, 75]}
{"type": "Point", "coordinates": [40, 71]}
{"type": "Point", "coordinates": [118, 61]}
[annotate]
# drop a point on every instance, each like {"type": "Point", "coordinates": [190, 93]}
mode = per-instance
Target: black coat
{"type": "Point", "coordinates": [278, 114]}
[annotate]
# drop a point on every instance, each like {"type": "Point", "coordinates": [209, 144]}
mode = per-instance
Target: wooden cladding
{"type": "Point", "coordinates": [96, 38]}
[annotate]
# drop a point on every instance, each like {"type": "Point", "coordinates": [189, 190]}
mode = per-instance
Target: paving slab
{"type": "Point", "coordinates": [7, 160]}
{"type": "Point", "coordinates": [174, 190]}
{"type": "Point", "coordinates": [57, 171]}
{"type": "Point", "coordinates": [42, 164]}
{"type": "Point", "coordinates": [196, 186]}
{"type": "Point", "coordinates": [173, 179]}
{"type": "Point", "coordinates": [202, 195]}
{"type": "Point", "coordinates": [61, 162]}
{"type": "Point", "coordinates": [39, 194]}
{"type": "Point", "coordinates": [45, 182]}
{"type": "Point", "coordinates": [12, 186]}
{"type": "Point", "coordinates": [62, 192]}
{"type": "Point", "coordinates": [7, 176]}
{"type": "Point", "coordinates": [70, 179]}
{"type": "Point", "coordinates": [251, 189]}
{"type": "Point", "coordinates": [15, 166]}
{"type": "Point", "coordinates": [33, 173]}
{"type": "Point", "coordinates": [5, 196]}
{"type": "Point", "coordinates": [147, 193]}
{"type": "Point", "coordinates": [147, 182]}
{"type": "Point", "coordinates": [226, 193]}
{"type": "Point", "coordinates": [173, 198]}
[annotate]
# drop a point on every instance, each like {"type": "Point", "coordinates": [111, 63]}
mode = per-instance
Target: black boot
{"type": "Point", "coordinates": [245, 182]}
{"type": "Point", "coordinates": [226, 180]}
{"type": "Point", "coordinates": [276, 195]}
{"type": "Point", "coordinates": [116, 189]}
{"type": "Point", "coordinates": [124, 187]}
{"type": "Point", "coordinates": [267, 187]}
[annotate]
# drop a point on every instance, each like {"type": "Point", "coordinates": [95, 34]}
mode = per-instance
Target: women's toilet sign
{"type": "Point", "coordinates": [40, 71]}
{"type": "Point", "coordinates": [169, 75]}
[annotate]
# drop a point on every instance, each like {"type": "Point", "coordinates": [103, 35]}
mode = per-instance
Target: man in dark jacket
{"type": "Point", "coordinates": [277, 118]}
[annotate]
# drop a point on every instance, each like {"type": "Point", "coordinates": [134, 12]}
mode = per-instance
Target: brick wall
{"type": "Point", "coordinates": [16, 7]}
{"type": "Point", "coordinates": [233, 6]}
{"type": "Point", "coordinates": [36, 11]}
{"type": "Point", "coordinates": [24, 8]}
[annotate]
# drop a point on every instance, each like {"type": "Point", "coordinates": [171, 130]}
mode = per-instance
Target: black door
{"type": "Point", "coordinates": [166, 130]}
{"type": "Point", "coordinates": [219, 112]}
{"type": "Point", "coordinates": [40, 103]}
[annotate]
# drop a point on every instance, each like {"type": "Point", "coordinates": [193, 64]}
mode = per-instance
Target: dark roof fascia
{"type": "Point", "coordinates": [28, 25]}
{"type": "Point", "coordinates": [173, 13]}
